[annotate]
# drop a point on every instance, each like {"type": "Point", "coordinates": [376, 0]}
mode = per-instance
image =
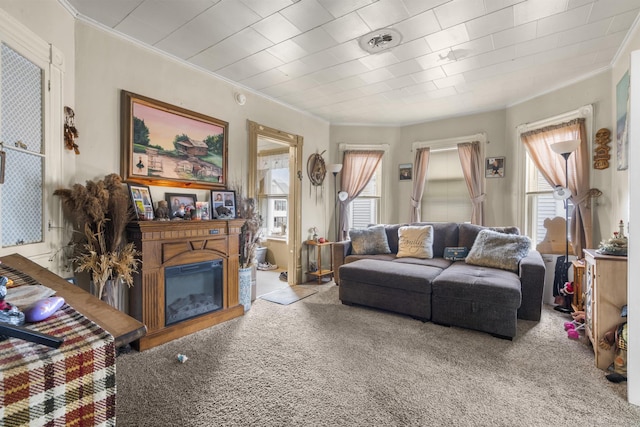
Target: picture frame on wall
{"type": "Point", "coordinates": [223, 204]}
{"type": "Point", "coordinates": [405, 171]}
{"type": "Point", "coordinates": [171, 146]}
{"type": "Point", "coordinates": [142, 202]}
{"type": "Point", "coordinates": [180, 205]}
{"type": "Point", "coordinates": [494, 167]}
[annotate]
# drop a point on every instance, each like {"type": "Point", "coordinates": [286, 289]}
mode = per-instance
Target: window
{"type": "Point", "coordinates": [30, 122]}
{"type": "Point", "coordinates": [365, 209]}
{"type": "Point", "coordinates": [540, 203]}
{"type": "Point", "coordinates": [445, 197]}
{"type": "Point", "coordinates": [273, 196]}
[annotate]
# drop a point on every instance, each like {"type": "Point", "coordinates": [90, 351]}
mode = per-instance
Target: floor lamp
{"type": "Point", "coordinates": [564, 148]}
{"type": "Point", "coordinates": [334, 168]}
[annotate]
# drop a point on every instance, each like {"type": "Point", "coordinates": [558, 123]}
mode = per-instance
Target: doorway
{"type": "Point", "coordinates": [275, 159]}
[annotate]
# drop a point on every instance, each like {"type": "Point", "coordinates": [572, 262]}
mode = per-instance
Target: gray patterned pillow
{"type": "Point", "coordinates": [498, 250]}
{"type": "Point", "coordinates": [369, 241]}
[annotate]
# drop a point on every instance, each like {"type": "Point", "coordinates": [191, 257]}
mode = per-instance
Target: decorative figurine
{"type": "Point", "coordinates": [162, 211]}
{"type": "Point", "coordinates": [9, 313]}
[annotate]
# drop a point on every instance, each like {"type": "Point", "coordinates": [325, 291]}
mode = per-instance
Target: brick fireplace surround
{"type": "Point", "coordinates": [173, 243]}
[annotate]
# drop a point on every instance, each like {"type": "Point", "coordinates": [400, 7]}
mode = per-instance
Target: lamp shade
{"type": "Point", "coordinates": [561, 193]}
{"type": "Point", "coordinates": [564, 147]}
{"type": "Point", "coordinates": [334, 167]}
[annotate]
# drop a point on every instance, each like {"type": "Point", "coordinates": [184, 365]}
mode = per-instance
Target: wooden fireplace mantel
{"type": "Point", "coordinates": [170, 243]}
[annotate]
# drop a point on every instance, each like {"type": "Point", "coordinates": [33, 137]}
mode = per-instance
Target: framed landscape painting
{"type": "Point", "coordinates": [167, 145]}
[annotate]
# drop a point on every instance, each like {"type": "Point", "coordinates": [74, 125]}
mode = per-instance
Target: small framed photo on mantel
{"type": "Point", "coordinates": [494, 167]}
{"type": "Point", "coordinates": [141, 199]}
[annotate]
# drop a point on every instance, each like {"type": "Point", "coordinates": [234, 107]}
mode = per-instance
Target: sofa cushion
{"type": "Point", "coordinates": [498, 250]}
{"type": "Point", "coordinates": [476, 283]}
{"type": "Point", "coordinates": [368, 241]}
{"type": "Point", "coordinates": [415, 241]}
{"type": "Point", "coordinates": [469, 232]}
{"type": "Point", "coordinates": [444, 234]}
{"type": "Point", "coordinates": [409, 277]}
{"type": "Point", "coordinates": [378, 257]}
{"type": "Point", "coordinates": [431, 262]}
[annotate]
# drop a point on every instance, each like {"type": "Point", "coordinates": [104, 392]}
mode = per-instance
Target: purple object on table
{"type": "Point", "coordinates": [42, 309]}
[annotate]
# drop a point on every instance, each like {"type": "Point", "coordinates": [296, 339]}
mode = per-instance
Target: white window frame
{"type": "Point", "coordinates": [524, 209]}
{"type": "Point", "coordinates": [381, 204]}
{"type": "Point", "coordinates": [450, 144]}
{"type": "Point", "coordinates": [51, 61]}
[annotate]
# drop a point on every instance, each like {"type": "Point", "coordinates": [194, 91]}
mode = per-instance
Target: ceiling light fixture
{"type": "Point", "coordinates": [380, 40]}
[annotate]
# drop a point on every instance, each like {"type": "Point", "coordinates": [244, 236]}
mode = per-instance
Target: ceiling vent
{"type": "Point", "coordinates": [380, 40]}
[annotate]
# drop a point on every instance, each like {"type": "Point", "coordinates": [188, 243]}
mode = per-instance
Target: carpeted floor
{"type": "Point", "coordinates": [320, 363]}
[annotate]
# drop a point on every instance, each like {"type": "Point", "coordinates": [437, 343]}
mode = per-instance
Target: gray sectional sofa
{"type": "Point", "coordinates": [443, 291]}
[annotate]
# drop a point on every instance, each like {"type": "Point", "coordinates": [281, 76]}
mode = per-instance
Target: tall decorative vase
{"type": "Point", "coordinates": [244, 279]}
{"type": "Point", "coordinates": [113, 294]}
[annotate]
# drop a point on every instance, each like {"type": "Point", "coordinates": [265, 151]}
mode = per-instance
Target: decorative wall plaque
{"type": "Point", "coordinates": [601, 154]}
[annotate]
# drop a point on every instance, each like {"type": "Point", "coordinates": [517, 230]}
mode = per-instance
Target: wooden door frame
{"type": "Point", "coordinates": [294, 142]}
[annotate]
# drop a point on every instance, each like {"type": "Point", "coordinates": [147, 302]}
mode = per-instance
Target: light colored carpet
{"type": "Point", "coordinates": [321, 363]}
{"type": "Point", "coordinates": [289, 295]}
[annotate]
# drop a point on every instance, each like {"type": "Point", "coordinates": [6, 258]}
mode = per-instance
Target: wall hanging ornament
{"type": "Point", "coordinates": [601, 154]}
{"type": "Point", "coordinates": [70, 131]}
{"type": "Point", "coordinates": [316, 169]}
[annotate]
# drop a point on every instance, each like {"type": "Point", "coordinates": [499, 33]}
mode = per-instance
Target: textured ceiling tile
{"type": "Point", "coordinates": [418, 26]}
{"type": "Point", "coordinates": [492, 23]}
{"type": "Point", "coordinates": [623, 21]}
{"type": "Point", "coordinates": [307, 14]}
{"type": "Point", "coordinates": [287, 51]}
{"type": "Point", "coordinates": [383, 13]}
{"type": "Point", "coordinates": [375, 76]}
{"type": "Point", "coordinates": [265, 79]}
{"type": "Point", "coordinates": [150, 23]}
{"type": "Point", "coordinates": [347, 27]}
{"type": "Point", "coordinates": [412, 49]}
{"type": "Point", "coordinates": [514, 35]}
{"type": "Point", "coordinates": [315, 40]}
{"type": "Point", "coordinates": [458, 11]}
{"type": "Point", "coordinates": [494, 5]}
{"type": "Point", "coordinates": [563, 21]}
{"type": "Point", "coordinates": [449, 37]}
{"type": "Point", "coordinates": [541, 44]}
{"type": "Point", "coordinates": [428, 75]}
{"type": "Point", "coordinates": [265, 8]}
{"type": "Point", "coordinates": [403, 68]}
{"type": "Point", "coordinates": [586, 32]}
{"type": "Point", "coordinates": [379, 60]}
{"type": "Point", "coordinates": [250, 66]}
{"type": "Point", "coordinates": [347, 51]}
{"type": "Point", "coordinates": [602, 9]}
{"type": "Point", "coordinates": [109, 16]}
{"type": "Point", "coordinates": [340, 8]}
{"type": "Point", "coordinates": [276, 28]}
{"type": "Point", "coordinates": [417, 6]}
{"type": "Point", "coordinates": [533, 10]}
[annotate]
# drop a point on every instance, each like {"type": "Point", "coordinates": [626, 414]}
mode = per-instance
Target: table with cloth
{"type": "Point", "coordinates": [72, 385]}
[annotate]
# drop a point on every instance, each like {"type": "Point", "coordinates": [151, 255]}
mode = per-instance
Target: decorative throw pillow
{"type": "Point", "coordinates": [415, 241]}
{"type": "Point", "coordinates": [369, 241]}
{"type": "Point", "coordinates": [498, 250]}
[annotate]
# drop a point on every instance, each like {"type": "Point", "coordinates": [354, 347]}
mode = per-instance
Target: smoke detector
{"type": "Point", "coordinates": [380, 40]}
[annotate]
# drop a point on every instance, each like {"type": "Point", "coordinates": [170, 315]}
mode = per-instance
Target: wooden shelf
{"type": "Point", "coordinates": [320, 273]}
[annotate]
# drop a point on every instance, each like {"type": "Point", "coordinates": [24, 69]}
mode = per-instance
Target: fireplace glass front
{"type": "Point", "coordinates": [192, 290]}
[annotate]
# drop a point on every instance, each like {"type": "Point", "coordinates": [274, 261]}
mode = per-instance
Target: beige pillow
{"type": "Point", "coordinates": [415, 241]}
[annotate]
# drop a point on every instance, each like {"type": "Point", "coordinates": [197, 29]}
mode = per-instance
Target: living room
{"type": "Point", "coordinates": [99, 64]}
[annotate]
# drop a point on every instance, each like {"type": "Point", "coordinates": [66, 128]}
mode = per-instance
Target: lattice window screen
{"type": "Point", "coordinates": [21, 198]}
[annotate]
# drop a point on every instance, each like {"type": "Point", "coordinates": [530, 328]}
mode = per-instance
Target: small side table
{"type": "Point", "coordinates": [319, 273]}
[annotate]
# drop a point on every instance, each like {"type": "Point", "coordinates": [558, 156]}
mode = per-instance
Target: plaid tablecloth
{"type": "Point", "coordinates": [72, 385]}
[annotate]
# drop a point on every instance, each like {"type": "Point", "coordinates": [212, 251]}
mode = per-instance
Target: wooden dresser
{"type": "Point", "coordinates": [605, 290]}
